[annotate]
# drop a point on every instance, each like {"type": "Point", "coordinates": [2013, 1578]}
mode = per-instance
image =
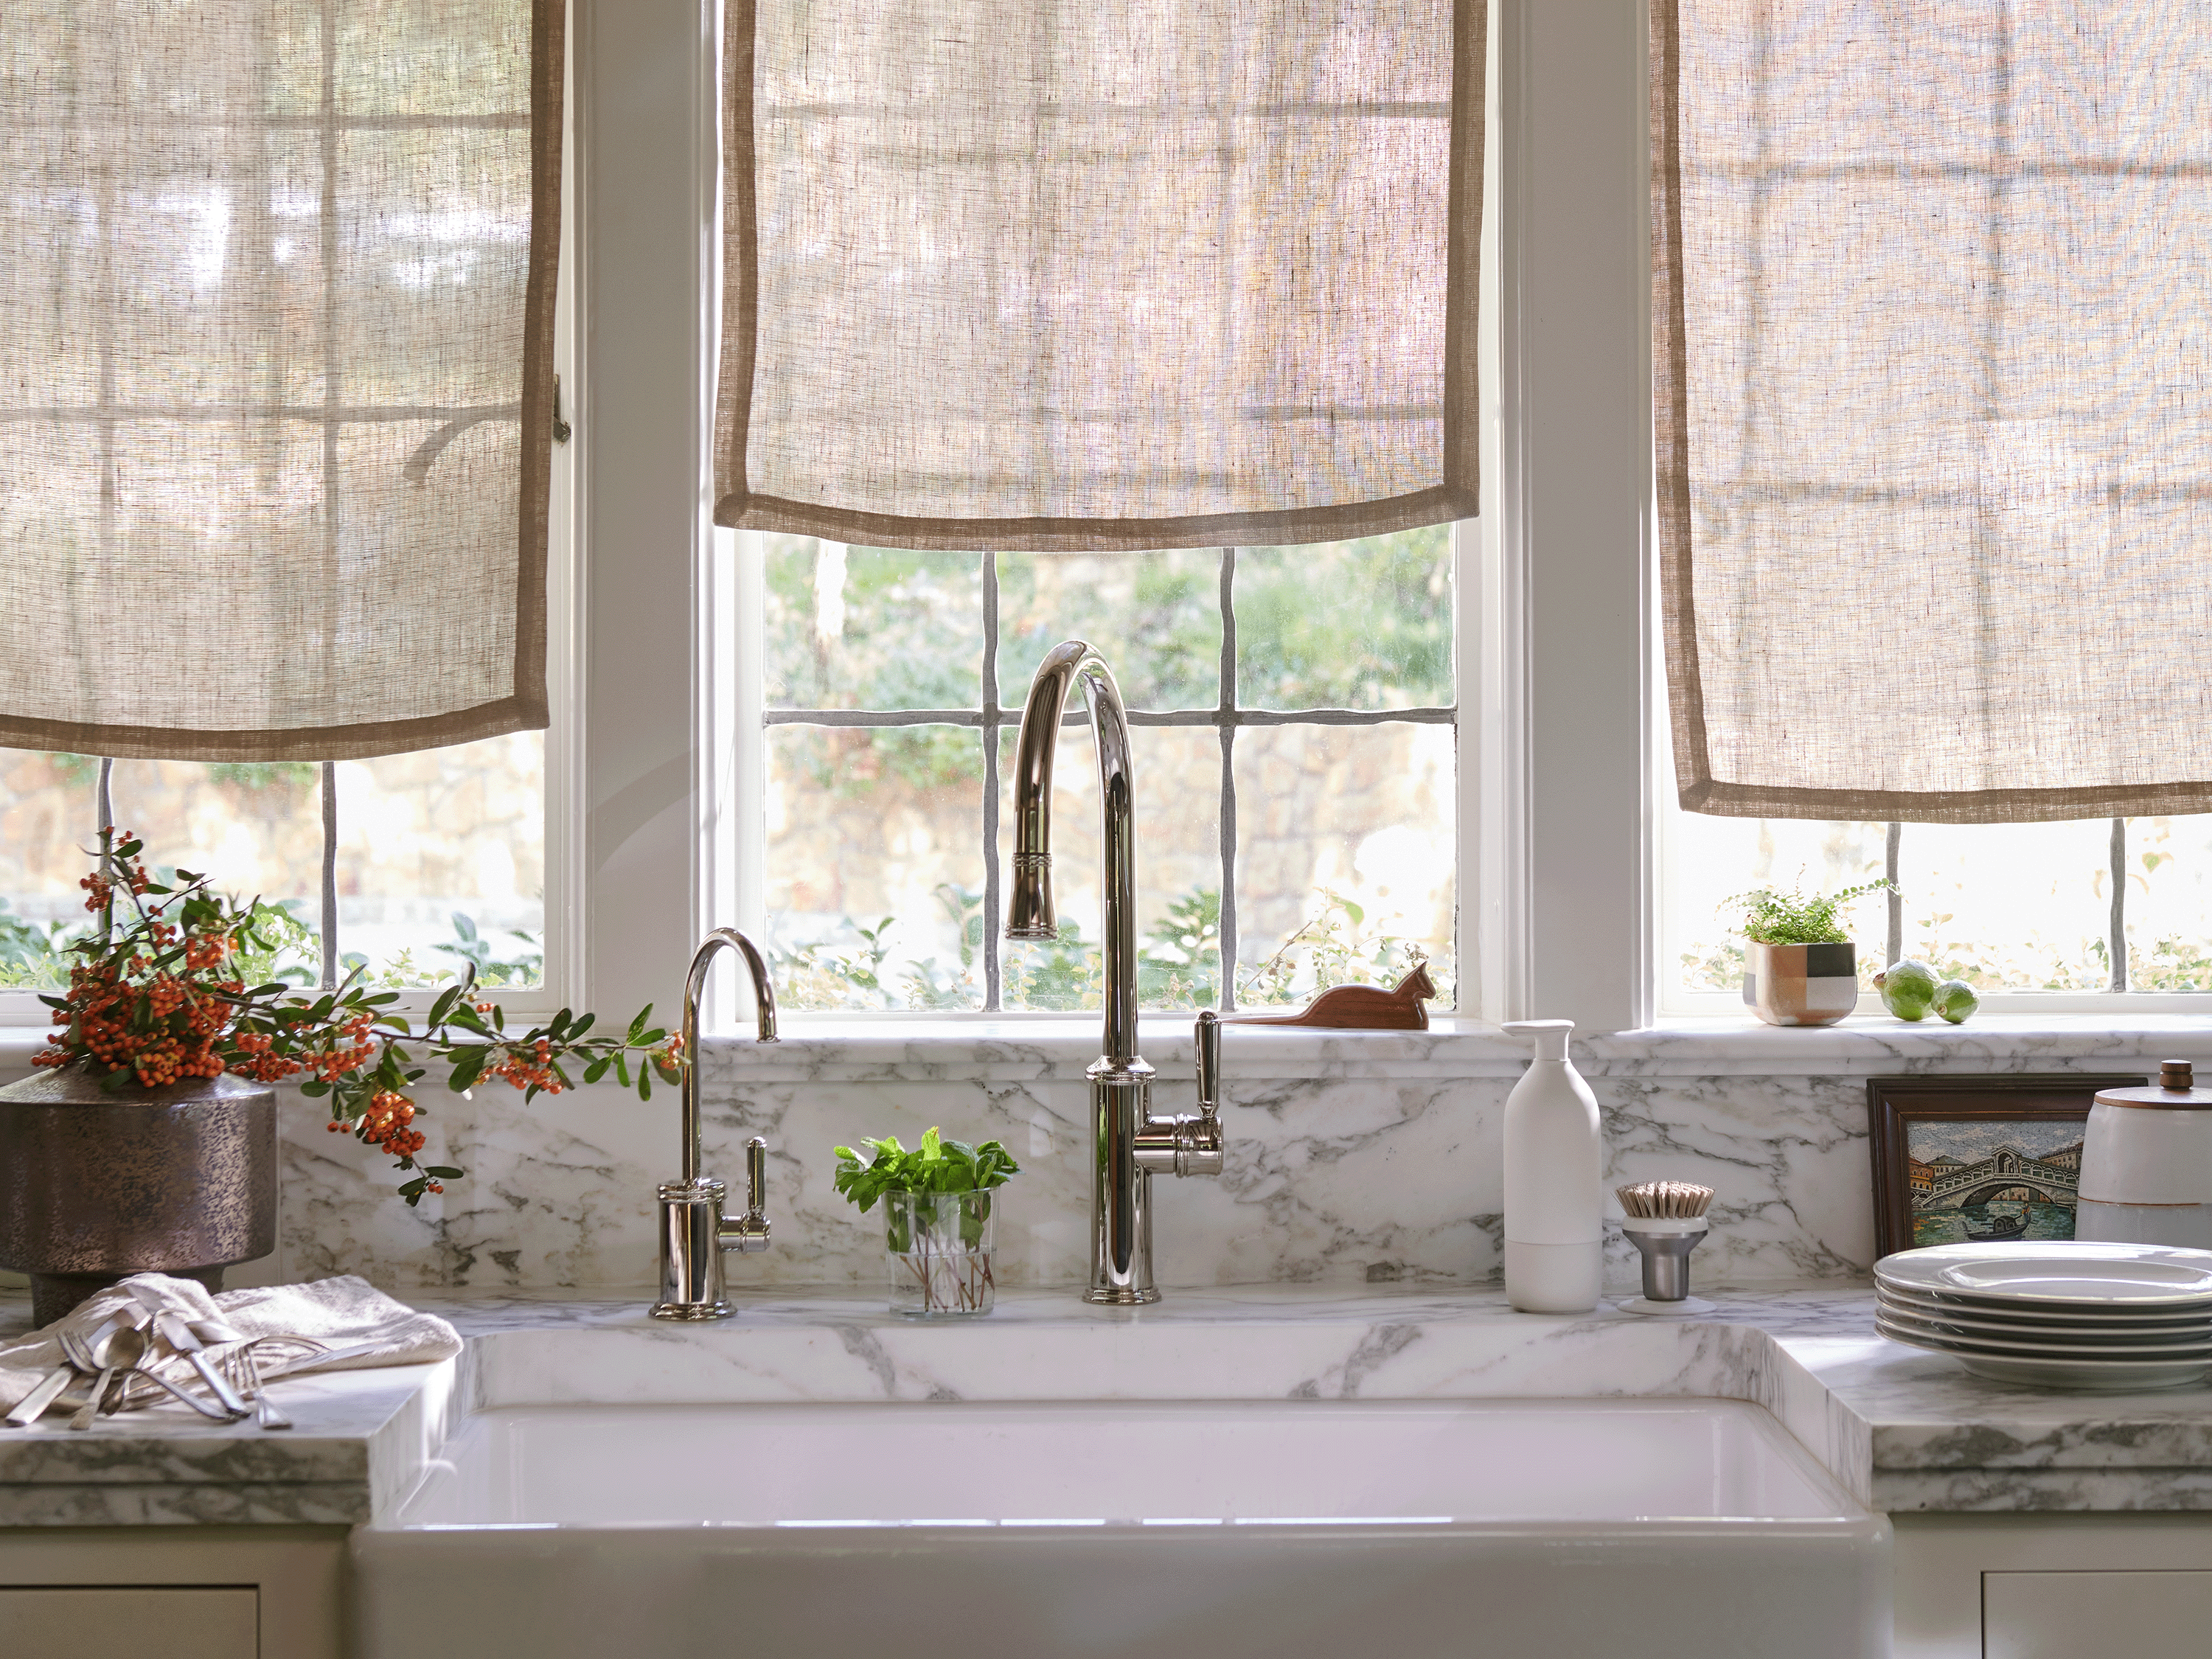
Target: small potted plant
{"type": "Point", "coordinates": [1800, 966]}
{"type": "Point", "coordinates": [937, 1216]}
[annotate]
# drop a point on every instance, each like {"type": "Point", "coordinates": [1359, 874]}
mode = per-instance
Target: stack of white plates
{"type": "Point", "coordinates": [2054, 1315]}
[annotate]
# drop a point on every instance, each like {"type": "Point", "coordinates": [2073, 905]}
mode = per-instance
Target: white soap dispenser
{"type": "Point", "coordinates": [1554, 1209]}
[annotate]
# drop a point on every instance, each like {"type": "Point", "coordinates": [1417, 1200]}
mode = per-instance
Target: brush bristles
{"type": "Point", "coordinates": [1655, 1199]}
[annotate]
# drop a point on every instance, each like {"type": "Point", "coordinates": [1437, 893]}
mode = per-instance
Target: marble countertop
{"type": "Point", "coordinates": [1902, 1430]}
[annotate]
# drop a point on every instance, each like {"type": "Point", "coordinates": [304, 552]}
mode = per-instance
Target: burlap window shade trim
{"type": "Point", "coordinates": [1934, 494]}
{"type": "Point", "coordinates": [279, 290]}
{"type": "Point", "coordinates": [1048, 275]}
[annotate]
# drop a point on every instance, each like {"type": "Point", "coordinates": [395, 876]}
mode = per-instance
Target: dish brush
{"type": "Point", "coordinates": [1665, 1220]}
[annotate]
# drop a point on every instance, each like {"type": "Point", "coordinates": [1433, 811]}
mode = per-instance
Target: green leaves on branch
{"type": "Point", "coordinates": [1772, 917]}
{"type": "Point", "coordinates": [937, 1165]}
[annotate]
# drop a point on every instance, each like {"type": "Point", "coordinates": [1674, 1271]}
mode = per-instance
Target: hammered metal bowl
{"type": "Point", "coordinates": [95, 1187]}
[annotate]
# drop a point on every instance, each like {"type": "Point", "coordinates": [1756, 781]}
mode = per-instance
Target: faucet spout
{"type": "Point", "coordinates": [694, 1229]}
{"type": "Point", "coordinates": [1029, 913]}
{"type": "Point", "coordinates": [721, 938]}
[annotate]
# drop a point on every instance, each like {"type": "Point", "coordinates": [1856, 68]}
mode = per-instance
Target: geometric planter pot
{"type": "Point", "coordinates": [1801, 984]}
{"type": "Point", "coordinates": [95, 1187]}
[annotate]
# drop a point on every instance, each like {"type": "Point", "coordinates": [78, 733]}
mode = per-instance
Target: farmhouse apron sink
{"type": "Point", "coordinates": [1217, 1530]}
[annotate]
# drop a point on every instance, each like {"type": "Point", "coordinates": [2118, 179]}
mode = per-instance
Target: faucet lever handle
{"type": "Point", "coordinates": [751, 1230]}
{"type": "Point", "coordinates": [1206, 1039]}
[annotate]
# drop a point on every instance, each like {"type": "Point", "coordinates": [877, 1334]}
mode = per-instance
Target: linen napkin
{"type": "Point", "coordinates": [344, 1313]}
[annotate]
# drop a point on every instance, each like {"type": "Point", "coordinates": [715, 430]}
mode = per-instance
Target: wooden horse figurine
{"type": "Point", "coordinates": [1359, 1007]}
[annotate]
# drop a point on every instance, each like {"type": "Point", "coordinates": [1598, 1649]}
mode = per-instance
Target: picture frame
{"type": "Point", "coordinates": [1962, 1159]}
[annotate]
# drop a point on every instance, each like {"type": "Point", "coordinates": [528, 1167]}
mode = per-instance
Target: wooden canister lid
{"type": "Point", "coordinates": [2175, 1091]}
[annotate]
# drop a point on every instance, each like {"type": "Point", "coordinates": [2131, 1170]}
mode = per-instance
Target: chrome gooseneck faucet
{"type": "Point", "coordinates": [694, 1231]}
{"type": "Point", "coordinates": [1129, 1143]}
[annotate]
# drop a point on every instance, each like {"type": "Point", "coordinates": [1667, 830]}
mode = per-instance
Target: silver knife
{"type": "Point", "coordinates": [33, 1405]}
{"type": "Point", "coordinates": [167, 1323]}
{"type": "Point", "coordinates": [177, 1331]}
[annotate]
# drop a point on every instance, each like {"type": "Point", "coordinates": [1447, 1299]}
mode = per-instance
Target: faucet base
{"type": "Point", "coordinates": [1116, 1296]}
{"type": "Point", "coordinates": [691, 1310]}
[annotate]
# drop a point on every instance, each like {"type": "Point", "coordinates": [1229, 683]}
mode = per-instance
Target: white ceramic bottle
{"type": "Point", "coordinates": [1555, 1213]}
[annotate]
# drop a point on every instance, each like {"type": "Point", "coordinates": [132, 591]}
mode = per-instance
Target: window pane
{"type": "Point", "coordinates": [1360, 624]}
{"type": "Point", "coordinates": [2170, 904]}
{"type": "Point", "coordinates": [875, 879]}
{"type": "Point", "coordinates": [253, 828]}
{"type": "Point", "coordinates": [1345, 856]}
{"type": "Point", "coordinates": [872, 627]}
{"type": "Point", "coordinates": [1178, 775]}
{"type": "Point", "coordinates": [442, 862]}
{"type": "Point", "coordinates": [1710, 860]}
{"type": "Point", "coordinates": [2015, 906]}
{"type": "Point", "coordinates": [48, 818]}
{"type": "Point", "coordinates": [1156, 616]}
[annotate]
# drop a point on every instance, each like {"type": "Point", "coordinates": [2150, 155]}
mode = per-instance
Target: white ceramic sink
{"type": "Point", "coordinates": [1221, 1529]}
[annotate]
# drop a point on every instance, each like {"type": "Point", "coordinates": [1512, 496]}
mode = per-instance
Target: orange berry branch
{"type": "Point", "coordinates": [159, 999]}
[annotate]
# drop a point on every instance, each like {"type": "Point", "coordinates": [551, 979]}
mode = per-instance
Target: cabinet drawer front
{"type": "Point", "coordinates": [2064, 1615]}
{"type": "Point", "coordinates": [221, 1622]}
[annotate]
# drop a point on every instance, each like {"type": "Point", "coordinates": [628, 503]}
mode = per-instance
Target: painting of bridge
{"type": "Point", "coordinates": [1992, 1179]}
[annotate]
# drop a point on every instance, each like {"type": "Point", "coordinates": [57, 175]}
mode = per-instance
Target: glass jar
{"type": "Point", "coordinates": [937, 1246]}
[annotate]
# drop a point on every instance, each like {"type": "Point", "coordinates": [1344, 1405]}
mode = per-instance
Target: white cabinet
{"type": "Point", "coordinates": [2061, 1615]}
{"type": "Point", "coordinates": [213, 1622]}
{"type": "Point", "coordinates": [172, 1592]}
{"type": "Point", "coordinates": [2053, 1586]}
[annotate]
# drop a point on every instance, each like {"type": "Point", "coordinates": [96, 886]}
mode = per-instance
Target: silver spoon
{"type": "Point", "coordinates": [79, 1350]}
{"type": "Point", "coordinates": [124, 1347]}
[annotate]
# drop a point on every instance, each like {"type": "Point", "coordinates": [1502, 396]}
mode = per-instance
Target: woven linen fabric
{"type": "Point", "coordinates": [276, 285]}
{"type": "Point", "coordinates": [1933, 342]}
{"type": "Point", "coordinates": [1059, 275]}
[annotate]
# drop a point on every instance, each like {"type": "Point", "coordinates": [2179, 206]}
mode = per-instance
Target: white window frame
{"type": "Point", "coordinates": [1551, 601]}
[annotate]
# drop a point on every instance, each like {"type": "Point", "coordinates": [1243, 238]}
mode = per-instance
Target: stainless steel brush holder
{"type": "Point", "coordinates": [1665, 1243]}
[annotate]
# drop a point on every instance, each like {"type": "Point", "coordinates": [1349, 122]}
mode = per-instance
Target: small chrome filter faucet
{"type": "Point", "coordinates": [694, 1230]}
{"type": "Point", "coordinates": [1129, 1143]}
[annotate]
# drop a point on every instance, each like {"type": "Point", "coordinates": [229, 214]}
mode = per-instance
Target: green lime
{"type": "Point", "coordinates": [1907, 988]}
{"type": "Point", "coordinates": [1955, 1000]}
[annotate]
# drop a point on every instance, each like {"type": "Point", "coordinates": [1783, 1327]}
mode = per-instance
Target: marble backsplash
{"type": "Point", "coordinates": [1351, 1158]}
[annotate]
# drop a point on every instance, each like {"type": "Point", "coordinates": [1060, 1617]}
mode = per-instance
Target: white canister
{"type": "Point", "coordinates": [2147, 1164]}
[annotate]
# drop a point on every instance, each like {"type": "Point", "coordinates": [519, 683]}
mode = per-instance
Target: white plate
{"type": "Point", "coordinates": [2038, 1337]}
{"type": "Point", "coordinates": [2063, 1273]}
{"type": "Point", "coordinates": [2087, 1375]}
{"type": "Point", "coordinates": [2117, 1318]}
{"type": "Point", "coordinates": [2019, 1342]}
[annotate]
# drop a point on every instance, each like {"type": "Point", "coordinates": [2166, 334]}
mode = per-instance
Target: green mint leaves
{"type": "Point", "coordinates": [937, 1165]}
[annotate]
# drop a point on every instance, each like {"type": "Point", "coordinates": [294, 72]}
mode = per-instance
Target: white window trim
{"type": "Point", "coordinates": [1559, 752]}
{"type": "Point", "coordinates": [1552, 793]}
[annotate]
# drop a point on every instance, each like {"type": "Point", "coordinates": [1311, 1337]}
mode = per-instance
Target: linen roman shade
{"type": "Point", "coordinates": [276, 286]}
{"type": "Point", "coordinates": [1933, 330]}
{"type": "Point", "coordinates": [1087, 274]}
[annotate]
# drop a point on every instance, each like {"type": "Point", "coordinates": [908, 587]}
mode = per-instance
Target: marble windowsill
{"type": "Point", "coordinates": [919, 1048]}
{"type": "Point", "coordinates": [897, 1049]}
{"type": "Point", "coordinates": [1903, 1430]}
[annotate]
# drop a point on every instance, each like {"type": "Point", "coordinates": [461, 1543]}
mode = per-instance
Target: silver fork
{"type": "Point", "coordinates": [241, 1363]}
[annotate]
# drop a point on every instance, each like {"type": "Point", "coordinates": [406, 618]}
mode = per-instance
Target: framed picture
{"type": "Point", "coordinates": [1959, 1159]}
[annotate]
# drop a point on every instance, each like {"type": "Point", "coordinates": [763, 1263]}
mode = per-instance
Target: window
{"type": "Point", "coordinates": [433, 860]}
{"type": "Point", "coordinates": [2065, 916]}
{"type": "Point", "coordinates": [1294, 725]}
{"type": "Point", "coordinates": [424, 861]}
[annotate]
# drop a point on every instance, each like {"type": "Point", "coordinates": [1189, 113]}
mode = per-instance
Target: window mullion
{"type": "Point", "coordinates": [330, 916]}
{"type": "Point", "coordinates": [1892, 862]}
{"type": "Point", "coordinates": [992, 989]}
{"type": "Point", "coordinates": [2119, 923]}
{"type": "Point", "coordinates": [1226, 942]}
